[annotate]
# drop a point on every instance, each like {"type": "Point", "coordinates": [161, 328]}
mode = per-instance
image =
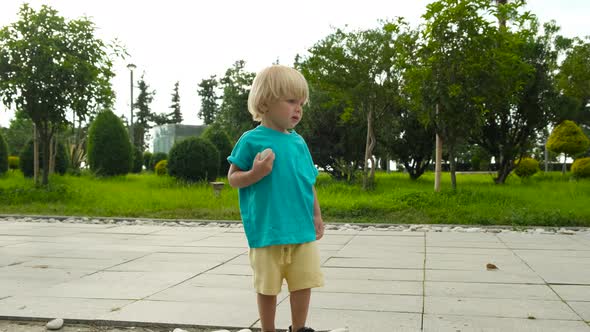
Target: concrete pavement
{"type": "Point", "coordinates": [376, 280]}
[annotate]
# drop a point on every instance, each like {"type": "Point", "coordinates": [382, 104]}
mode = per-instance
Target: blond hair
{"type": "Point", "coordinates": [273, 83]}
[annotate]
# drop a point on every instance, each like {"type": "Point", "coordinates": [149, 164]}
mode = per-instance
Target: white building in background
{"type": "Point", "coordinates": [165, 136]}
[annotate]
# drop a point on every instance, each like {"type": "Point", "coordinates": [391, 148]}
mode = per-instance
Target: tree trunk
{"type": "Point", "coordinates": [546, 159]}
{"type": "Point", "coordinates": [370, 144]}
{"type": "Point", "coordinates": [453, 167]}
{"type": "Point", "coordinates": [501, 22]}
{"type": "Point", "coordinates": [438, 159]}
{"type": "Point", "coordinates": [35, 155]}
{"type": "Point", "coordinates": [564, 168]}
{"type": "Point", "coordinates": [52, 154]}
{"type": "Point", "coordinates": [46, 156]}
{"type": "Point", "coordinates": [503, 171]}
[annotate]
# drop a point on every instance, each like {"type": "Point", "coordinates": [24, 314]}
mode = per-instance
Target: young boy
{"type": "Point", "coordinates": [278, 202]}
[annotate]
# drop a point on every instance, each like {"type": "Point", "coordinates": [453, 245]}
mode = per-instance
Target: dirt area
{"type": "Point", "coordinates": [34, 326]}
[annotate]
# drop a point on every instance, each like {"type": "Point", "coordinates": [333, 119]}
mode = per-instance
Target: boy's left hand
{"type": "Point", "coordinates": [319, 227]}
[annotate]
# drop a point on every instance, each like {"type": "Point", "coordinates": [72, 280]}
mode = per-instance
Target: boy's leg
{"type": "Point", "coordinates": [299, 308]}
{"type": "Point", "coordinates": [267, 306]}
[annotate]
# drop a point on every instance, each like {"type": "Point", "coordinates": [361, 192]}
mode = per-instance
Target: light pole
{"type": "Point", "coordinates": [131, 67]}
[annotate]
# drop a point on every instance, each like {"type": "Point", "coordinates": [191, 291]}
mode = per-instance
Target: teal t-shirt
{"type": "Point", "coordinates": [279, 208]}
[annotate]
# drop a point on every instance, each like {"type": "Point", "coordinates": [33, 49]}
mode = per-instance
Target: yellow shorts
{"type": "Point", "coordinates": [299, 264]}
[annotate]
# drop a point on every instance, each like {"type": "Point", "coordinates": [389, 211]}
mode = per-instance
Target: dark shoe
{"type": "Point", "coordinates": [303, 329]}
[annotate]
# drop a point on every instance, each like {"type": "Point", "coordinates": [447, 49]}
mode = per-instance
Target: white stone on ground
{"type": "Point", "coordinates": [55, 324]}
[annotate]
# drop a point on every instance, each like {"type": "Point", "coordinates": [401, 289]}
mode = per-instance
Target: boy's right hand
{"type": "Point", "coordinates": [263, 167]}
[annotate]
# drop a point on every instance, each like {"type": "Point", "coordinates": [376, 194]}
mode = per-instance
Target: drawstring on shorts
{"type": "Point", "coordinates": [285, 255]}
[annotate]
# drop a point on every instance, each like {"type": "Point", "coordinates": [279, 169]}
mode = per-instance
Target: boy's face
{"type": "Point", "coordinates": [283, 114]}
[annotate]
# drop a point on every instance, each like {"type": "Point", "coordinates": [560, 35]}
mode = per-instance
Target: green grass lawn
{"type": "Point", "coordinates": [545, 199]}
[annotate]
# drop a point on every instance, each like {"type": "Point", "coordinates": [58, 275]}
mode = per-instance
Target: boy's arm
{"type": "Point", "coordinates": [260, 168]}
{"type": "Point", "coordinates": [317, 217]}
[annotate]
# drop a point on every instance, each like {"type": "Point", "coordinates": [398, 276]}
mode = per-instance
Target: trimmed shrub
{"type": "Point", "coordinates": [194, 159]}
{"type": "Point", "coordinates": [13, 162]}
{"type": "Point", "coordinates": [219, 137]}
{"type": "Point", "coordinates": [526, 167]}
{"type": "Point", "coordinates": [161, 167]}
{"type": "Point", "coordinates": [147, 157]}
{"type": "Point", "coordinates": [109, 148]}
{"type": "Point", "coordinates": [156, 158]}
{"type": "Point", "coordinates": [3, 155]}
{"type": "Point", "coordinates": [568, 138]}
{"type": "Point", "coordinates": [26, 162]}
{"type": "Point", "coordinates": [581, 167]}
{"type": "Point", "coordinates": [137, 160]}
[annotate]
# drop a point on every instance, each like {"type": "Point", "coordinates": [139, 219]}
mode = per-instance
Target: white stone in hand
{"type": "Point", "coordinates": [265, 153]}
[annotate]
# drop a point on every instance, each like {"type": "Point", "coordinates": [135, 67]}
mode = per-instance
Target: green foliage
{"type": "Point", "coordinates": [26, 162]}
{"type": "Point", "coordinates": [480, 159]}
{"type": "Point", "coordinates": [137, 160]}
{"type": "Point", "coordinates": [354, 76]}
{"type": "Point", "coordinates": [216, 135]}
{"type": "Point", "coordinates": [396, 199]}
{"type": "Point", "coordinates": [410, 142]}
{"type": "Point", "coordinates": [109, 150]}
{"type": "Point", "coordinates": [581, 167]}
{"type": "Point", "coordinates": [49, 66]}
{"type": "Point", "coordinates": [208, 93]}
{"type": "Point", "coordinates": [175, 116]}
{"type": "Point", "coordinates": [233, 113]}
{"type": "Point", "coordinates": [13, 162]}
{"type": "Point", "coordinates": [18, 133]}
{"type": "Point", "coordinates": [527, 167]}
{"type": "Point", "coordinates": [443, 77]}
{"type": "Point", "coordinates": [568, 138]}
{"type": "Point", "coordinates": [194, 159]}
{"type": "Point", "coordinates": [161, 167]}
{"type": "Point", "coordinates": [25, 195]}
{"type": "Point", "coordinates": [333, 143]}
{"type": "Point", "coordinates": [147, 157]}
{"type": "Point", "coordinates": [155, 159]}
{"type": "Point", "coordinates": [574, 80]}
{"type": "Point", "coordinates": [3, 155]}
{"type": "Point", "coordinates": [143, 115]}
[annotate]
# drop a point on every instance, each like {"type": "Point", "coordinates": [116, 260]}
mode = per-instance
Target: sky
{"type": "Point", "coordinates": [187, 41]}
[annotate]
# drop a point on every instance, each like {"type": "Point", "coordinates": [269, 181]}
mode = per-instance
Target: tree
{"type": "Point", "coordinates": [405, 138]}
{"type": "Point", "coordinates": [3, 155]}
{"type": "Point", "coordinates": [49, 65]}
{"type": "Point", "coordinates": [208, 93]}
{"type": "Point", "coordinates": [567, 138]}
{"type": "Point", "coordinates": [333, 141]}
{"type": "Point", "coordinates": [410, 142]}
{"type": "Point", "coordinates": [357, 69]}
{"type": "Point", "coordinates": [144, 115]}
{"type": "Point", "coordinates": [518, 88]}
{"type": "Point", "coordinates": [26, 159]}
{"type": "Point", "coordinates": [573, 81]}
{"type": "Point", "coordinates": [220, 139]}
{"type": "Point", "coordinates": [233, 114]}
{"type": "Point", "coordinates": [18, 133]}
{"type": "Point", "coordinates": [175, 116]}
{"type": "Point", "coordinates": [109, 148]}
{"type": "Point", "coordinates": [194, 159]}
{"type": "Point", "coordinates": [448, 68]}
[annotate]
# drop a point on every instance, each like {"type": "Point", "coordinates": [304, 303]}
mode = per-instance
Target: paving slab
{"type": "Point", "coordinates": [376, 280]}
{"type": "Point", "coordinates": [448, 323]}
